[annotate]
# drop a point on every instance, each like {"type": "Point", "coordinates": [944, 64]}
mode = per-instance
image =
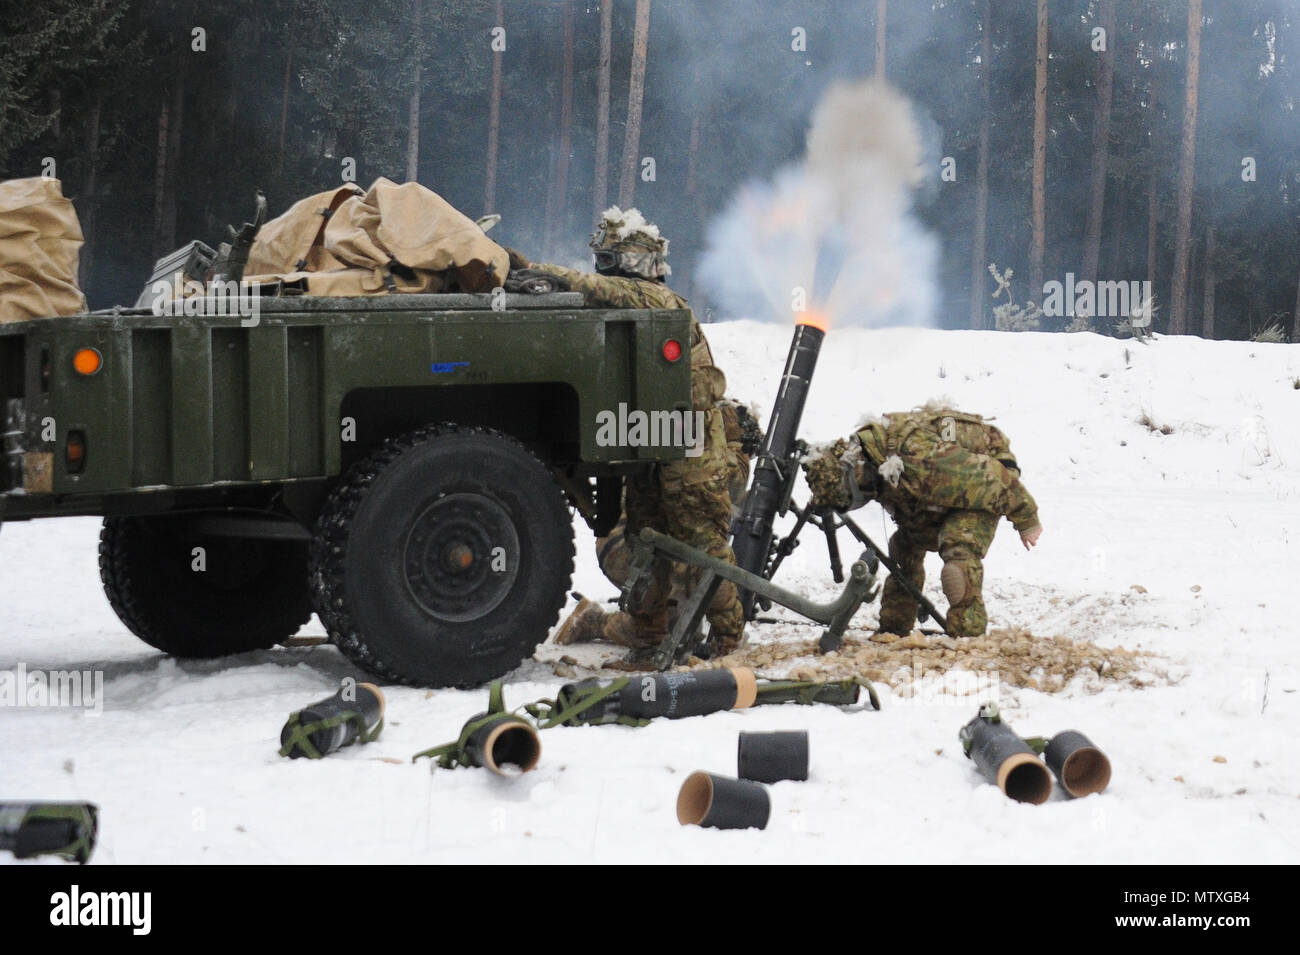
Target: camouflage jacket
{"type": "Point", "coordinates": [708, 383]}
{"type": "Point", "coordinates": [939, 459]}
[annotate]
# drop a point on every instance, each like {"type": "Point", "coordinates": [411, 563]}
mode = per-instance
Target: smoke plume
{"type": "Point", "coordinates": [851, 195]}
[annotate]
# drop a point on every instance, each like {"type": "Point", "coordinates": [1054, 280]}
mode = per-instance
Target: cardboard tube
{"type": "Point", "coordinates": [746, 687]}
{"type": "Point", "coordinates": [507, 741]}
{"type": "Point", "coordinates": [1024, 778]}
{"type": "Point", "coordinates": [717, 802]}
{"type": "Point", "coordinates": [772, 757]}
{"type": "Point", "coordinates": [1079, 765]}
{"type": "Point", "coordinates": [1004, 758]}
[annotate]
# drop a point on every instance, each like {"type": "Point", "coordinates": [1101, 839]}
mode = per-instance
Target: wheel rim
{"type": "Point", "coordinates": [461, 557]}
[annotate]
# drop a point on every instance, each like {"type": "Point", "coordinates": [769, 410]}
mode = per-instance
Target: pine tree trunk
{"type": "Point", "coordinates": [171, 182]}
{"type": "Point", "coordinates": [89, 200]}
{"type": "Point", "coordinates": [1039, 242]}
{"type": "Point", "coordinates": [413, 106]}
{"type": "Point", "coordinates": [1152, 210]}
{"type": "Point", "coordinates": [1100, 148]}
{"type": "Point", "coordinates": [882, 18]}
{"type": "Point", "coordinates": [979, 251]}
{"type": "Point", "coordinates": [494, 122]}
{"type": "Point", "coordinates": [160, 179]}
{"type": "Point", "coordinates": [1186, 175]}
{"type": "Point", "coordinates": [600, 185]}
{"type": "Point", "coordinates": [284, 100]}
{"type": "Point", "coordinates": [556, 200]}
{"type": "Point", "coordinates": [1207, 327]}
{"type": "Point", "coordinates": [635, 95]}
{"type": "Point", "coordinates": [1295, 324]}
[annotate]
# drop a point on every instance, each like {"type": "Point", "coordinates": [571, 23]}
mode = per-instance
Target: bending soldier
{"type": "Point", "coordinates": [945, 478]}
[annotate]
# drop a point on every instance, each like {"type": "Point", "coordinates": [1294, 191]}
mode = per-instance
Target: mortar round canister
{"type": "Point", "coordinates": [719, 802]}
{"type": "Point", "coordinates": [1079, 766]}
{"type": "Point", "coordinates": [772, 757]}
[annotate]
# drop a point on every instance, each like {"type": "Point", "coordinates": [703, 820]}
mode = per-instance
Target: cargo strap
{"type": "Point", "coordinates": [300, 733]}
{"type": "Point", "coordinates": [551, 712]}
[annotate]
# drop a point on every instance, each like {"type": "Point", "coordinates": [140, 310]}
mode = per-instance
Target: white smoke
{"type": "Point", "coordinates": [856, 182]}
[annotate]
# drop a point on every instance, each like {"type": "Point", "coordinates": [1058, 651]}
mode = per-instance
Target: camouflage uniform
{"type": "Point", "coordinates": [945, 478]}
{"type": "Point", "coordinates": [689, 498]}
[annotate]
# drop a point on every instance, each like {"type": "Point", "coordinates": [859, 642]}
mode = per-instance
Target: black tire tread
{"type": "Point", "coordinates": [329, 544]}
{"type": "Point", "coordinates": [128, 597]}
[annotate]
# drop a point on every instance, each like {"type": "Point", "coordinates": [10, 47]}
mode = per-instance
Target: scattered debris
{"type": "Point", "coordinates": [1153, 426]}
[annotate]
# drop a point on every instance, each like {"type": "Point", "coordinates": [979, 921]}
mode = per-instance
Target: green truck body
{"type": "Point", "coordinates": [241, 432]}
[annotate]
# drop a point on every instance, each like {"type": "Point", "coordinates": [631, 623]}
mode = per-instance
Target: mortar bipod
{"type": "Point", "coordinates": [685, 635]}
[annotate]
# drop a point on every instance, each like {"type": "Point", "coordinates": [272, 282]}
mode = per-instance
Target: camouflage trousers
{"type": "Point", "coordinates": [961, 538]}
{"type": "Point", "coordinates": [687, 499]}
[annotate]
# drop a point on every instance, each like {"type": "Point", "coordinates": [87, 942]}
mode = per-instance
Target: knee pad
{"type": "Point", "coordinates": [956, 585]}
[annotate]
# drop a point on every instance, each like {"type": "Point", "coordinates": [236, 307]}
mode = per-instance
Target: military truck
{"type": "Point", "coordinates": [406, 466]}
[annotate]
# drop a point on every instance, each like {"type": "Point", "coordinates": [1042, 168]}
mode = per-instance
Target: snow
{"type": "Point", "coordinates": [183, 759]}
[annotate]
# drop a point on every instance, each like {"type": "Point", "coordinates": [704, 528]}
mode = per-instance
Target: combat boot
{"type": "Point", "coordinates": [585, 625]}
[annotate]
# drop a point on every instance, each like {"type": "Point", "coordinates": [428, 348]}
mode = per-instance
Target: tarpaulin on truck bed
{"type": "Point", "coordinates": [390, 238]}
{"type": "Point", "coordinates": [40, 239]}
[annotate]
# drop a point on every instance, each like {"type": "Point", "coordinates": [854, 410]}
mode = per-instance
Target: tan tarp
{"type": "Point", "coordinates": [40, 239]}
{"type": "Point", "coordinates": [391, 238]}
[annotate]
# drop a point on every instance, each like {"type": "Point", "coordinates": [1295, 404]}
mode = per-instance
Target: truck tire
{"type": "Point", "coordinates": [250, 595]}
{"type": "Point", "coordinates": [443, 558]}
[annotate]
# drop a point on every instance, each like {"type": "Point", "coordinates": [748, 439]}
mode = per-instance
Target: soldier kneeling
{"type": "Point", "coordinates": [945, 478]}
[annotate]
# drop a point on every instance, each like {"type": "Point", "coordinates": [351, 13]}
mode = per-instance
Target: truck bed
{"type": "Point", "coordinates": [195, 404]}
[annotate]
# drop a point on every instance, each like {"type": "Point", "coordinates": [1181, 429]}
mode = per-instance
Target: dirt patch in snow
{"type": "Point", "coordinates": [1015, 657]}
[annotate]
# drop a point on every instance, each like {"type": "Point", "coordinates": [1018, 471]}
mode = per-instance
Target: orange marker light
{"type": "Point", "coordinates": [87, 361]}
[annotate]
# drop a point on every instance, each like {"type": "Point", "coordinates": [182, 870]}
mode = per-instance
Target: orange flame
{"type": "Point", "coordinates": [816, 319]}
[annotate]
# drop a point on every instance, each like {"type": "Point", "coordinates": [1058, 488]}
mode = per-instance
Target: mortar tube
{"type": "Point", "coordinates": [1078, 764]}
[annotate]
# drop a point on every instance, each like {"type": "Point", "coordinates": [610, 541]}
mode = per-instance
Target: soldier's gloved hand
{"type": "Point", "coordinates": [832, 479]}
{"type": "Point", "coordinates": [1030, 537]}
{"type": "Point", "coordinates": [517, 260]}
{"type": "Point", "coordinates": [751, 435]}
{"type": "Point", "coordinates": [534, 282]}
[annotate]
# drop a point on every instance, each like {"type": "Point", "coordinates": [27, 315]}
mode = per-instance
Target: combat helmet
{"type": "Point", "coordinates": [624, 243]}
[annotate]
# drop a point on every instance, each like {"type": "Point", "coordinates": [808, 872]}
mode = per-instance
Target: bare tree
{"type": "Point", "coordinates": [413, 106]}
{"type": "Point", "coordinates": [494, 117]}
{"type": "Point", "coordinates": [600, 188]}
{"type": "Point", "coordinates": [1186, 175]}
{"type": "Point", "coordinates": [979, 254]}
{"type": "Point", "coordinates": [1100, 147]}
{"type": "Point", "coordinates": [556, 198]}
{"type": "Point", "coordinates": [635, 95]}
{"type": "Point", "coordinates": [1039, 241]}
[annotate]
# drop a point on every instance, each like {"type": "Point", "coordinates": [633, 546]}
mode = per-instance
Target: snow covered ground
{"type": "Point", "coordinates": [183, 760]}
